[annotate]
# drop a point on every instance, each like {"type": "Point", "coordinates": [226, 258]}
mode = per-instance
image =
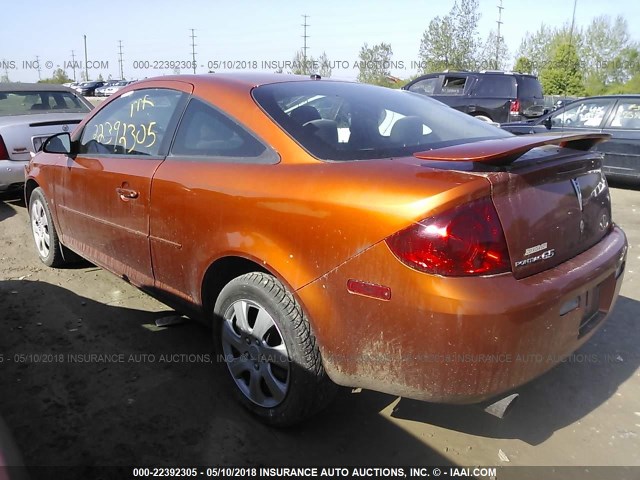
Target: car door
{"type": "Point", "coordinates": [622, 151]}
{"type": "Point", "coordinates": [104, 211]}
{"type": "Point", "coordinates": [194, 202]}
{"type": "Point", "coordinates": [588, 114]}
{"type": "Point", "coordinates": [454, 91]}
{"type": "Point", "coordinates": [491, 95]}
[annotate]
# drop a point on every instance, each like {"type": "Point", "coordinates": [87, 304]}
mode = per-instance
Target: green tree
{"type": "Point", "coordinates": [100, 79]}
{"type": "Point", "coordinates": [563, 74]}
{"type": "Point", "coordinates": [452, 41]}
{"type": "Point", "coordinates": [538, 47]}
{"type": "Point", "coordinates": [374, 64]}
{"type": "Point", "coordinates": [523, 65]}
{"type": "Point", "coordinates": [487, 54]}
{"type": "Point", "coordinates": [605, 41]}
{"type": "Point", "coordinates": [325, 66]}
{"type": "Point", "coordinates": [302, 65]}
{"type": "Point", "coordinates": [59, 76]}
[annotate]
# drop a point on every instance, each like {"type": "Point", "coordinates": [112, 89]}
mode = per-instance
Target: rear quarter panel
{"type": "Point", "coordinates": [297, 220]}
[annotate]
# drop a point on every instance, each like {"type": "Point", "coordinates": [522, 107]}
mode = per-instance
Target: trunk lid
{"type": "Point", "coordinates": [553, 202]}
{"type": "Point", "coordinates": [26, 133]}
{"type": "Point", "coordinates": [551, 211]}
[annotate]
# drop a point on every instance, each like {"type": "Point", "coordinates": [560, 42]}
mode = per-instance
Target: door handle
{"type": "Point", "coordinates": [126, 194]}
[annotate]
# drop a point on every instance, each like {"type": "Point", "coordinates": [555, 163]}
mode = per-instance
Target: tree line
{"type": "Point", "coordinates": [600, 58]}
{"type": "Point", "coordinates": [570, 60]}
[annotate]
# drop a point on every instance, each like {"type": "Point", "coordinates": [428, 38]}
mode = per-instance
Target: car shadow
{"type": "Point", "coordinates": [7, 200]}
{"type": "Point", "coordinates": [625, 184]}
{"type": "Point", "coordinates": [564, 395]}
{"type": "Point", "coordinates": [90, 383]}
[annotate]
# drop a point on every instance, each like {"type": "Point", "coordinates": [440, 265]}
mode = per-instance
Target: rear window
{"type": "Point", "coordinates": [351, 121]}
{"type": "Point", "coordinates": [495, 86]}
{"type": "Point", "coordinates": [529, 87]}
{"type": "Point", "coordinates": [22, 103]}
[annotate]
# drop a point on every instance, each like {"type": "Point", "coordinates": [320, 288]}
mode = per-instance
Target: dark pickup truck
{"type": "Point", "coordinates": [491, 96]}
{"type": "Point", "coordinates": [617, 115]}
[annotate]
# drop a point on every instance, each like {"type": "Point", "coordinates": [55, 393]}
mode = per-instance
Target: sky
{"type": "Point", "coordinates": [250, 34]}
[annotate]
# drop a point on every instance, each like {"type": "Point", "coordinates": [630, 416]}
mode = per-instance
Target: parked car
{"type": "Point", "coordinates": [102, 91]}
{"type": "Point", "coordinates": [616, 115]}
{"type": "Point", "coordinates": [88, 89]}
{"type": "Point", "coordinates": [490, 96]}
{"type": "Point", "coordinates": [29, 114]}
{"type": "Point", "coordinates": [338, 233]}
{"type": "Point", "coordinates": [113, 88]}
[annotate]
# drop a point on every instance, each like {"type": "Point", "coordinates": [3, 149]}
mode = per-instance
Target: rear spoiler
{"type": "Point", "coordinates": [502, 151]}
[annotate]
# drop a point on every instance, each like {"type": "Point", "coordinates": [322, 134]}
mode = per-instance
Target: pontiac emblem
{"type": "Point", "coordinates": [604, 222]}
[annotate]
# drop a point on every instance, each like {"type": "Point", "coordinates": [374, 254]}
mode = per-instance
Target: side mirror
{"type": "Point", "coordinates": [60, 143]}
{"type": "Point", "coordinates": [547, 122]}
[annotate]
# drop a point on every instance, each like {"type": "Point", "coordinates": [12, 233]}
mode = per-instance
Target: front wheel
{"type": "Point", "coordinates": [270, 352]}
{"type": "Point", "coordinates": [44, 231]}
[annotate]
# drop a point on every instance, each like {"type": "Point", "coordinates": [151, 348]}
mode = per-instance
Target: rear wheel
{"type": "Point", "coordinates": [44, 232]}
{"type": "Point", "coordinates": [270, 352]}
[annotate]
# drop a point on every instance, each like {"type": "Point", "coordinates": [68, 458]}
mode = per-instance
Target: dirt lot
{"type": "Point", "coordinates": [159, 399]}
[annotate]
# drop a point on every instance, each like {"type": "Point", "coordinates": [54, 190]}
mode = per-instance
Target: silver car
{"type": "Point", "coordinates": [111, 89]}
{"type": "Point", "coordinates": [29, 114]}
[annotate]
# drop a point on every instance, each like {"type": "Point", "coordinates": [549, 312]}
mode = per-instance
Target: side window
{"type": "Point", "coordinates": [453, 85]}
{"type": "Point", "coordinates": [627, 114]}
{"type": "Point", "coordinates": [134, 124]}
{"type": "Point", "coordinates": [426, 86]}
{"type": "Point", "coordinates": [495, 86]}
{"type": "Point", "coordinates": [205, 132]}
{"type": "Point", "coordinates": [582, 114]}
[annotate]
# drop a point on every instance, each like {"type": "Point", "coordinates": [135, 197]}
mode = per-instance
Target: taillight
{"type": "Point", "coordinates": [515, 107]}
{"type": "Point", "coordinates": [4, 153]}
{"type": "Point", "coordinates": [466, 240]}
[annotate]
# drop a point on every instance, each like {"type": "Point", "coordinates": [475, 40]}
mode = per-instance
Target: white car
{"type": "Point", "coordinates": [29, 114]}
{"type": "Point", "coordinates": [111, 89]}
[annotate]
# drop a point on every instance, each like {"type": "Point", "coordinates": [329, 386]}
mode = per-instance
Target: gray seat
{"type": "Point", "coordinates": [305, 114]}
{"type": "Point", "coordinates": [407, 131]}
{"type": "Point", "coordinates": [325, 130]}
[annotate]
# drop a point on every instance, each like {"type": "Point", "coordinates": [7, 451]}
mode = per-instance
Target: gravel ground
{"type": "Point", "coordinates": [153, 396]}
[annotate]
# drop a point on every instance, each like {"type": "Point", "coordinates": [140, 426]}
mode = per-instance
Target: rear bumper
{"type": "Point", "coordinates": [458, 340]}
{"type": "Point", "coordinates": [11, 173]}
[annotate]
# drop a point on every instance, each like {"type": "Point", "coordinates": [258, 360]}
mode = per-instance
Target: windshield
{"type": "Point", "coordinates": [21, 103]}
{"type": "Point", "coordinates": [353, 121]}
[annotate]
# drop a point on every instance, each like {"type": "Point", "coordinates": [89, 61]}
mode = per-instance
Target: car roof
{"type": "Point", "coordinates": [617, 95]}
{"type": "Point", "coordinates": [239, 79]}
{"type": "Point", "coordinates": [487, 72]}
{"type": "Point", "coordinates": [33, 87]}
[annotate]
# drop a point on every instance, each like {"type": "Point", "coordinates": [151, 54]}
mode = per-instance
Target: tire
{"type": "Point", "coordinates": [270, 352]}
{"type": "Point", "coordinates": [44, 231]}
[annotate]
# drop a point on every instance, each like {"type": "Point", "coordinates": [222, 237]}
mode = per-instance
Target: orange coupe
{"type": "Point", "coordinates": [337, 233]}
